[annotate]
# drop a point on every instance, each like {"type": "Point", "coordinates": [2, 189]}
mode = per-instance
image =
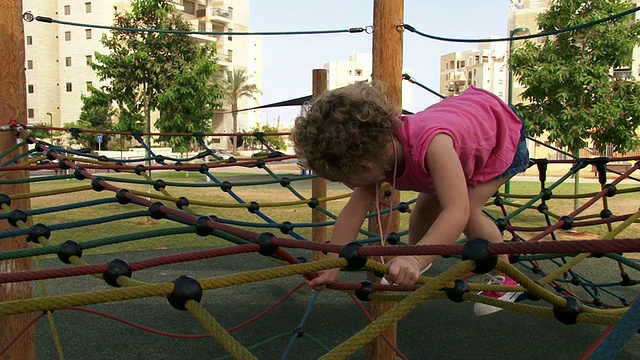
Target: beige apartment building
{"type": "Point", "coordinates": [485, 68]}
{"type": "Point", "coordinates": [357, 67]}
{"type": "Point", "coordinates": [57, 56]}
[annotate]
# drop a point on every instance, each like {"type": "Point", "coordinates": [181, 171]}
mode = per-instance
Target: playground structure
{"type": "Point", "coordinates": [590, 302]}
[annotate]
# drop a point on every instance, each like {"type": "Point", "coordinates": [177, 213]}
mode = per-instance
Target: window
{"type": "Point", "coordinates": [69, 87]}
{"type": "Point", "coordinates": [67, 9]}
{"type": "Point", "coordinates": [87, 7]}
{"type": "Point", "coordinates": [89, 59]}
{"type": "Point", "coordinates": [67, 61]}
{"type": "Point", "coordinates": [30, 88]}
{"type": "Point", "coordinates": [358, 72]}
{"type": "Point", "coordinates": [29, 40]}
{"type": "Point", "coordinates": [230, 55]}
{"type": "Point", "coordinates": [89, 85]}
{"type": "Point", "coordinates": [229, 37]}
{"type": "Point", "coordinates": [67, 36]}
{"type": "Point", "coordinates": [87, 33]}
{"type": "Point", "coordinates": [29, 64]}
{"type": "Point", "coordinates": [30, 113]}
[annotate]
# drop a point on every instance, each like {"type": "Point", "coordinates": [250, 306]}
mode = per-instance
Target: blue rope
{"type": "Point", "coordinates": [614, 343]}
{"type": "Point", "coordinates": [300, 329]}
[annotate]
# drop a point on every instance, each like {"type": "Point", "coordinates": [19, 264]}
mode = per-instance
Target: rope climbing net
{"type": "Point", "coordinates": [547, 266]}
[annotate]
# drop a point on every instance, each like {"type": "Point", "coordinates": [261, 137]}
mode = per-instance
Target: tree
{"type": "Point", "coordinates": [140, 66]}
{"type": "Point", "coordinates": [187, 105]}
{"type": "Point", "coordinates": [275, 142]}
{"type": "Point", "coordinates": [573, 92]}
{"type": "Point", "coordinates": [235, 86]}
{"type": "Point", "coordinates": [96, 113]}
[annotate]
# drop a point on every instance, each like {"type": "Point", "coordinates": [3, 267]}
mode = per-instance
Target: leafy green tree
{"type": "Point", "coordinates": [572, 91]}
{"type": "Point", "coordinates": [188, 104]}
{"type": "Point", "coordinates": [276, 142]}
{"type": "Point", "coordinates": [142, 65]}
{"type": "Point", "coordinates": [96, 114]}
{"type": "Point", "coordinates": [40, 134]}
{"type": "Point", "coordinates": [235, 85]}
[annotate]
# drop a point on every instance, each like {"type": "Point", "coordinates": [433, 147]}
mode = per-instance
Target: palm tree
{"type": "Point", "coordinates": [235, 85]}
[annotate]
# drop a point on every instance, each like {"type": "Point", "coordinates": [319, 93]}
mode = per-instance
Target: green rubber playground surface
{"type": "Point", "coordinates": [437, 329]}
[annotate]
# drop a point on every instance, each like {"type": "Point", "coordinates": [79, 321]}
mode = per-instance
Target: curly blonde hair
{"type": "Point", "coordinates": [343, 127]}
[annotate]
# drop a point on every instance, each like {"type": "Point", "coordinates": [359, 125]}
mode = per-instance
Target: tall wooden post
{"type": "Point", "coordinates": [319, 185]}
{"type": "Point", "coordinates": [13, 106]}
{"type": "Point", "coordinates": [388, 15]}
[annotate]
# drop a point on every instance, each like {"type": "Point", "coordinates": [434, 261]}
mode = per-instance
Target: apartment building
{"type": "Point", "coordinates": [357, 67]}
{"type": "Point", "coordinates": [57, 56]}
{"type": "Point", "coordinates": [484, 67]}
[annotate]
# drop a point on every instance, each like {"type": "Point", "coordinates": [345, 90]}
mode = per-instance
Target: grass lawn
{"type": "Point", "coordinates": [214, 201]}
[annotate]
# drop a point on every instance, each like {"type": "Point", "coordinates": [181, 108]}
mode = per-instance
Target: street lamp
{"type": "Point", "coordinates": [50, 125]}
{"type": "Point", "coordinates": [512, 33]}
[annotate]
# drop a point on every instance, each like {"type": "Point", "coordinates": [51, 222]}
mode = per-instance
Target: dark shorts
{"type": "Point", "coordinates": [521, 158]}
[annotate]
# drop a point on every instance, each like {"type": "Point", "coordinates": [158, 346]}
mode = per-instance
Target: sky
{"type": "Point", "coordinates": [288, 60]}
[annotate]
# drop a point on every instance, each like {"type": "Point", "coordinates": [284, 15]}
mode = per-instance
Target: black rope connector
{"type": "Point", "coordinates": [546, 194]}
{"type": "Point", "coordinates": [260, 163]}
{"type": "Point", "coordinates": [15, 216]}
{"type": "Point", "coordinates": [45, 19]}
{"type": "Point", "coordinates": [286, 227]}
{"type": "Point", "coordinates": [393, 238]}
{"type": "Point", "coordinates": [159, 185]}
{"type": "Point", "coordinates": [285, 181]}
{"type": "Point", "coordinates": [185, 288]}
{"type": "Point", "coordinates": [403, 207]}
{"type": "Point", "coordinates": [178, 164]}
{"type": "Point", "coordinates": [5, 199]}
{"type": "Point", "coordinates": [77, 173]}
{"type": "Point", "coordinates": [139, 169]}
{"type": "Point", "coordinates": [356, 30]}
{"type": "Point", "coordinates": [63, 163]}
{"type": "Point", "coordinates": [96, 184]}
{"type": "Point", "coordinates": [299, 331]}
{"type": "Point", "coordinates": [266, 247]}
{"type": "Point", "coordinates": [366, 288]}
{"type": "Point", "coordinates": [115, 269]}
{"type": "Point", "coordinates": [68, 249]}
{"type": "Point", "coordinates": [478, 251]}
{"type": "Point", "coordinates": [579, 165]}
{"type": "Point", "coordinates": [51, 155]}
{"type": "Point", "coordinates": [159, 159]}
{"type": "Point", "coordinates": [201, 226]}
{"type": "Point", "coordinates": [542, 208]}
{"type": "Point", "coordinates": [155, 211]}
{"type": "Point", "coordinates": [606, 213]}
{"type": "Point", "coordinates": [225, 186]}
{"type": "Point", "coordinates": [121, 195]}
{"type": "Point", "coordinates": [456, 293]}
{"type": "Point", "coordinates": [611, 190]}
{"type": "Point", "coordinates": [203, 169]}
{"type": "Point", "coordinates": [409, 27]}
{"type": "Point", "coordinates": [501, 224]}
{"type": "Point", "coordinates": [103, 158]}
{"type": "Point", "coordinates": [349, 252]}
{"type": "Point", "coordinates": [567, 222]}
{"type": "Point", "coordinates": [38, 230]}
{"type": "Point", "coordinates": [498, 201]}
{"type": "Point", "coordinates": [253, 207]}
{"type": "Point", "coordinates": [569, 313]}
{"type": "Point", "coordinates": [118, 164]}
{"type": "Point", "coordinates": [182, 202]}
{"type": "Point", "coordinates": [313, 202]}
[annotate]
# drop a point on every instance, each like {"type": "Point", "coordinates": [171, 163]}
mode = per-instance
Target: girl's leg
{"type": "Point", "coordinates": [423, 214]}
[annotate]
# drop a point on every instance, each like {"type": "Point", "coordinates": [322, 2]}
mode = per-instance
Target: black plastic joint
{"type": "Point", "coordinates": [478, 251]}
{"type": "Point", "coordinates": [567, 222]}
{"type": "Point", "coordinates": [185, 288]}
{"type": "Point", "coordinates": [569, 313]}
{"type": "Point", "coordinates": [393, 238]}
{"type": "Point", "coordinates": [155, 211]}
{"type": "Point", "coordinates": [286, 227]}
{"type": "Point", "coordinates": [355, 261]}
{"type": "Point", "coordinates": [182, 202]}
{"type": "Point", "coordinates": [68, 249]}
{"type": "Point", "coordinates": [121, 195]}
{"type": "Point", "coordinates": [266, 247]}
{"type": "Point", "coordinates": [456, 293]}
{"type": "Point", "coordinates": [366, 289]}
{"type": "Point", "coordinates": [36, 231]}
{"type": "Point", "coordinates": [96, 184]}
{"type": "Point", "coordinates": [201, 226]}
{"type": "Point", "coordinates": [17, 215]}
{"type": "Point", "coordinates": [115, 269]}
{"type": "Point", "coordinates": [159, 185]}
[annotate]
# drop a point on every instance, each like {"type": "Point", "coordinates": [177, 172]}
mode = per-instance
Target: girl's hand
{"type": "Point", "coordinates": [325, 278]}
{"type": "Point", "coordinates": [404, 270]}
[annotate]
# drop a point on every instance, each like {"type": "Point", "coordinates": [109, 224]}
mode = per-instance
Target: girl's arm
{"type": "Point", "coordinates": [346, 229]}
{"type": "Point", "coordinates": [451, 189]}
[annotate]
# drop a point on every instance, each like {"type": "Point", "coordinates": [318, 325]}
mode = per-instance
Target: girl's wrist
{"type": "Point", "coordinates": [417, 260]}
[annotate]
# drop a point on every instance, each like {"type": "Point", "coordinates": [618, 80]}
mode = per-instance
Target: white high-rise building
{"type": "Point", "coordinates": [57, 55]}
{"type": "Point", "coordinates": [484, 68]}
{"type": "Point", "coordinates": [357, 67]}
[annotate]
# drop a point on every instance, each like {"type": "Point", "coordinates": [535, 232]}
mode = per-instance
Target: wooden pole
{"type": "Point", "coordinates": [13, 106]}
{"type": "Point", "coordinates": [319, 185]}
{"type": "Point", "coordinates": [387, 68]}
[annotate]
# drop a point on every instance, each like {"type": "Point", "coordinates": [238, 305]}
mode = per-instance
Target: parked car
{"type": "Point", "coordinates": [266, 153]}
{"type": "Point", "coordinates": [220, 154]}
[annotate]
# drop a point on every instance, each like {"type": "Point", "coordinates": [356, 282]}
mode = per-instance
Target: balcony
{"type": "Point", "coordinates": [221, 16]}
{"type": "Point", "coordinates": [224, 59]}
{"type": "Point", "coordinates": [622, 73]}
{"type": "Point", "coordinates": [178, 4]}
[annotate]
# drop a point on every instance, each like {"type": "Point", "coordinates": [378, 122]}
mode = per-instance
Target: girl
{"type": "Point", "coordinates": [456, 154]}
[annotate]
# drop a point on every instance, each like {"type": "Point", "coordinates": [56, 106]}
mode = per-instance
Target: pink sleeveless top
{"type": "Point", "coordinates": [485, 133]}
